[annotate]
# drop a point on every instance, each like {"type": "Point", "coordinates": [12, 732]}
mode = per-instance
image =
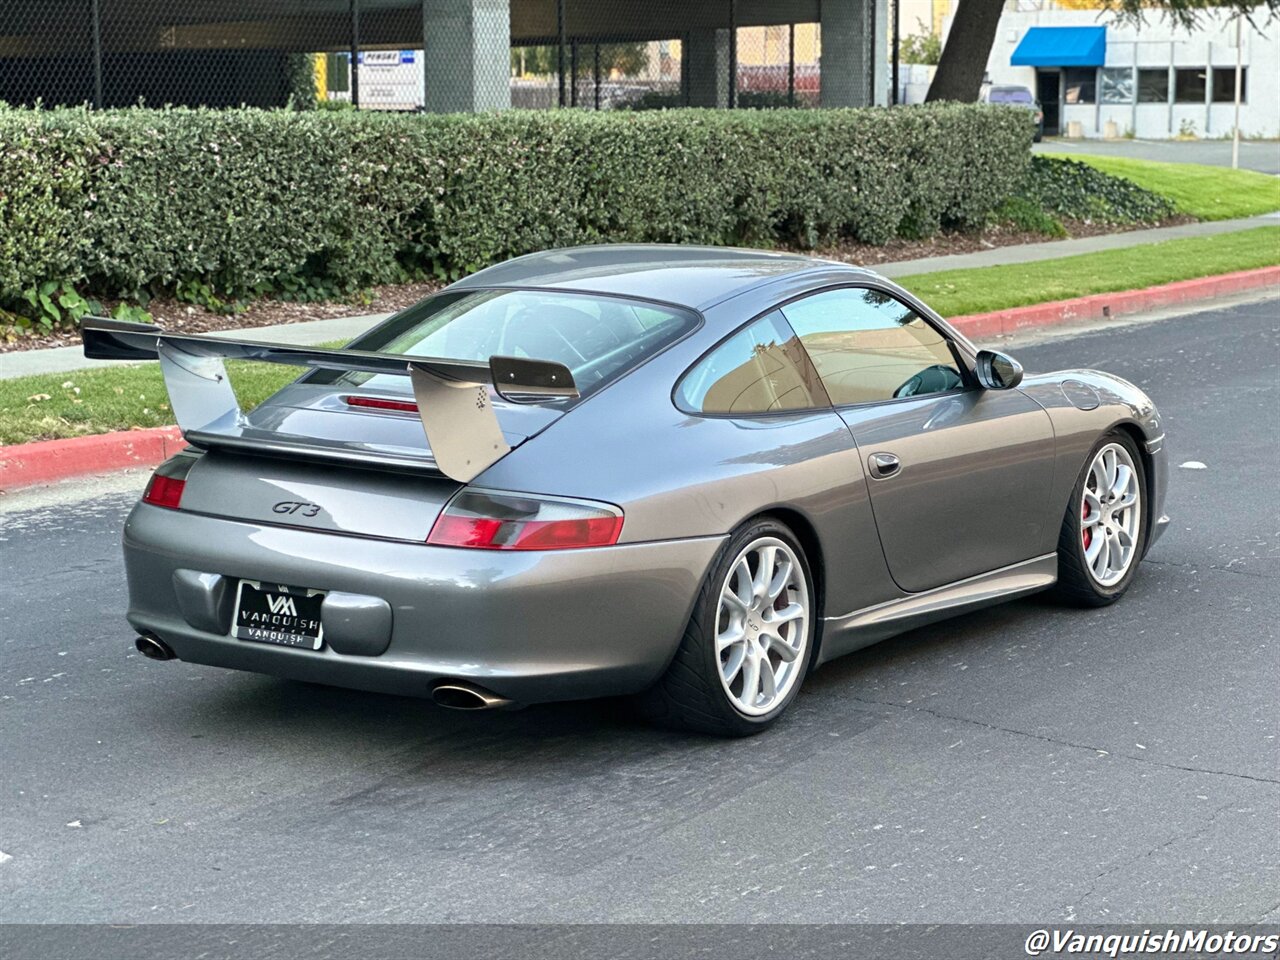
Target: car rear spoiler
{"type": "Point", "coordinates": [458, 420]}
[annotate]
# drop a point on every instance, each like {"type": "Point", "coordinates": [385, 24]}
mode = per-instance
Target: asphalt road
{"type": "Point", "coordinates": [1260, 155]}
{"type": "Point", "coordinates": [1025, 764]}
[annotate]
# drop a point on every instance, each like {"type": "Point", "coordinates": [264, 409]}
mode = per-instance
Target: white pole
{"type": "Point", "coordinates": [1235, 136]}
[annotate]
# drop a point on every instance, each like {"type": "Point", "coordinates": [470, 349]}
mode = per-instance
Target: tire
{"type": "Point", "coordinates": [692, 695]}
{"type": "Point", "coordinates": [1079, 582]}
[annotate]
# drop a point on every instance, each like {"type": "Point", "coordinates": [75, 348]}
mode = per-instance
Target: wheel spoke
{"type": "Point", "coordinates": [767, 559]}
{"type": "Point", "coordinates": [750, 680]}
{"type": "Point", "coordinates": [783, 649]}
{"type": "Point", "coordinates": [1102, 559]}
{"type": "Point", "coordinates": [733, 600]}
{"type": "Point", "coordinates": [788, 613]}
{"type": "Point", "coordinates": [1095, 510]}
{"type": "Point", "coordinates": [735, 634]}
{"type": "Point", "coordinates": [1108, 469]}
{"type": "Point", "coordinates": [1119, 554]}
{"type": "Point", "coordinates": [739, 585]}
{"type": "Point", "coordinates": [780, 580]}
{"type": "Point", "coordinates": [1121, 483]}
{"type": "Point", "coordinates": [729, 669]}
{"type": "Point", "coordinates": [768, 682]}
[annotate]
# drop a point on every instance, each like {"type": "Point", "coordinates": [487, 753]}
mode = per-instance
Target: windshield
{"type": "Point", "coordinates": [597, 337]}
{"type": "Point", "coordinates": [1010, 95]}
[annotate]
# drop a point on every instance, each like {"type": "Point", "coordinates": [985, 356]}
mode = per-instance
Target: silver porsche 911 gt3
{"type": "Point", "coordinates": [686, 474]}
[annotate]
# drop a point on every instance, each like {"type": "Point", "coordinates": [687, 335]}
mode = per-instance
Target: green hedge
{"type": "Point", "coordinates": [128, 203]}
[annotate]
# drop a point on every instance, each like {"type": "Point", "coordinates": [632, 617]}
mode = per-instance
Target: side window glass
{"type": "Point", "coordinates": [869, 346]}
{"type": "Point", "coordinates": [760, 369]}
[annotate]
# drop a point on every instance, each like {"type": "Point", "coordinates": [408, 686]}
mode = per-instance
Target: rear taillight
{"type": "Point", "coordinates": [490, 521]}
{"type": "Point", "coordinates": [164, 492]}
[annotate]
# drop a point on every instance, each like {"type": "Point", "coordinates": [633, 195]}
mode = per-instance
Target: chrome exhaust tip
{"type": "Point", "coordinates": [153, 648]}
{"type": "Point", "coordinates": [459, 695]}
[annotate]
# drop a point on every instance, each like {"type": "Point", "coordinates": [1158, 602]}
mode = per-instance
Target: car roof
{"type": "Point", "coordinates": [689, 276]}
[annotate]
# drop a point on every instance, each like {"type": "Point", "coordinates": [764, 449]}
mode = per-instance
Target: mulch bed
{"type": "Point", "coordinates": [947, 244]}
{"type": "Point", "coordinates": [186, 318]}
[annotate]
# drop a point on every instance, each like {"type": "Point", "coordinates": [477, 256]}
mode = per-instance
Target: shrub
{"type": "Point", "coordinates": [1078, 191]}
{"type": "Point", "coordinates": [230, 204]}
{"type": "Point", "coordinates": [1026, 215]}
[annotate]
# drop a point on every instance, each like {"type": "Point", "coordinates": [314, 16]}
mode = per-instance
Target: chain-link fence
{"type": "Point", "coordinates": [444, 55]}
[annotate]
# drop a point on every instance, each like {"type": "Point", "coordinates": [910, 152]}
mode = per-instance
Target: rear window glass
{"type": "Point", "coordinates": [598, 338]}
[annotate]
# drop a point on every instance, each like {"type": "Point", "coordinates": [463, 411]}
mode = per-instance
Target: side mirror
{"type": "Point", "coordinates": [997, 371]}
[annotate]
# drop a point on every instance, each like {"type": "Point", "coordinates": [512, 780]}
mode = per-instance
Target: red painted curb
{"type": "Point", "coordinates": [24, 464]}
{"type": "Point", "coordinates": [1100, 305]}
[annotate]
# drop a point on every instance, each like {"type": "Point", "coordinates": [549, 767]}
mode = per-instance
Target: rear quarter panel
{"type": "Point", "coordinates": [677, 475]}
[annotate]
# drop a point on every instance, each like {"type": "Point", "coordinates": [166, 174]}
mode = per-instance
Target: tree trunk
{"type": "Point", "coordinates": [964, 57]}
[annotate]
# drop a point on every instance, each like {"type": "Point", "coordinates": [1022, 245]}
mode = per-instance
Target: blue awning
{"type": "Point", "coordinates": [1061, 47]}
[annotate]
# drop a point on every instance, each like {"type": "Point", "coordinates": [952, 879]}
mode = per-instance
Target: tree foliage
{"type": "Point", "coordinates": [923, 47]}
{"type": "Point", "coordinates": [622, 59]}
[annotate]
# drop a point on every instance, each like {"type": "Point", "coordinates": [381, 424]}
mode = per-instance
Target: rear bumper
{"type": "Point", "coordinates": [531, 627]}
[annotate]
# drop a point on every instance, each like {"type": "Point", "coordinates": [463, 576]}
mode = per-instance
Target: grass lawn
{"type": "Point", "coordinates": [958, 292]}
{"type": "Point", "coordinates": [52, 405]}
{"type": "Point", "coordinates": [116, 398]}
{"type": "Point", "coordinates": [1209, 193]}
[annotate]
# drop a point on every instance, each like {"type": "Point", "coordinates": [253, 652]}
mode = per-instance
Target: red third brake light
{"type": "Point", "coordinates": [382, 403]}
{"type": "Point", "coordinates": [487, 521]}
{"type": "Point", "coordinates": [164, 492]}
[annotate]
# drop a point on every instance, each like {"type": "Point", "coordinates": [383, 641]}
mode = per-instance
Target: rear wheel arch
{"type": "Point", "coordinates": [692, 692]}
{"type": "Point", "coordinates": [807, 534]}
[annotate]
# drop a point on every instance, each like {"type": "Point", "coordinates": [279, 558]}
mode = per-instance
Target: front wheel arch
{"type": "Point", "coordinates": [1139, 439]}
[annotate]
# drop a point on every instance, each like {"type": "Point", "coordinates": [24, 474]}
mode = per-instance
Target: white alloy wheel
{"type": "Point", "coordinates": [762, 626]}
{"type": "Point", "coordinates": [1110, 515]}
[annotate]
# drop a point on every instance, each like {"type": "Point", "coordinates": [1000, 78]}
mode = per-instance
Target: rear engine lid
{"type": "Point", "coordinates": [316, 496]}
{"type": "Point", "coordinates": [355, 424]}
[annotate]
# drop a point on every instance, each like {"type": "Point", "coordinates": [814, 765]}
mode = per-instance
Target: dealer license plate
{"type": "Point", "coordinates": [274, 613]}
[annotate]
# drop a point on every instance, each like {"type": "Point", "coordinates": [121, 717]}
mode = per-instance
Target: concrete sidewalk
{"type": "Point", "coordinates": [1055, 249]}
{"type": "Point", "coordinates": [70, 359]}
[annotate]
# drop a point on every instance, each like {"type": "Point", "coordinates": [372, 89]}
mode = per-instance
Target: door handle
{"type": "Point", "coordinates": [883, 465]}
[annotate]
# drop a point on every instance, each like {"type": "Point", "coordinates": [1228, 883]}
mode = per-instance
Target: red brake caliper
{"type": "Point", "coordinates": [1088, 533]}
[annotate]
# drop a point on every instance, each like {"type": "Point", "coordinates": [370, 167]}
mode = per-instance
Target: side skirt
{"type": "Point", "coordinates": [862, 628]}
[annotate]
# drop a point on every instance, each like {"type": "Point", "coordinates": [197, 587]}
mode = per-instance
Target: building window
{"type": "Point", "coordinates": [1079, 85]}
{"type": "Point", "coordinates": [1117, 85]}
{"type": "Point", "coordinates": [1188, 84]}
{"type": "Point", "coordinates": [1153, 86]}
{"type": "Point", "coordinates": [1224, 84]}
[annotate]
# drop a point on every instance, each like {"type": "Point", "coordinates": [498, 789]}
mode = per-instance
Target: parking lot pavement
{"type": "Point", "coordinates": [1260, 155]}
{"type": "Point", "coordinates": [1025, 763]}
